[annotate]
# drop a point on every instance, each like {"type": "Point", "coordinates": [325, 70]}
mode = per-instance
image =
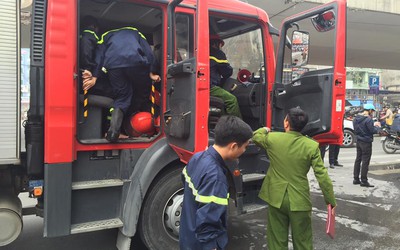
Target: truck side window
{"type": "Point", "coordinates": [184, 37]}
{"type": "Point", "coordinates": [292, 70]}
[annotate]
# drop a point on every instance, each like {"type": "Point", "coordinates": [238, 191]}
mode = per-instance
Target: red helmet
{"type": "Point", "coordinates": [216, 37]}
{"type": "Point", "coordinates": [139, 124]}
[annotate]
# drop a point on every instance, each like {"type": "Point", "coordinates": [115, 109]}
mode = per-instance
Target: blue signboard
{"type": "Point", "coordinates": [373, 91]}
{"type": "Point", "coordinates": [373, 82]}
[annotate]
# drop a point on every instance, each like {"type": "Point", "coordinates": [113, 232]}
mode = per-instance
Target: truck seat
{"type": "Point", "coordinates": [216, 110]}
{"type": "Point", "coordinates": [91, 127]}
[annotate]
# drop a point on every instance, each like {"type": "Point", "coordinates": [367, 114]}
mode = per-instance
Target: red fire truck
{"type": "Point", "coordinates": [84, 183]}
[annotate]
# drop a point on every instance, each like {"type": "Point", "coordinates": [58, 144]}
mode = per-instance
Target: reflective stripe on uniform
{"type": "Point", "coordinates": [93, 33]}
{"type": "Point", "coordinates": [203, 198]}
{"type": "Point", "coordinates": [109, 116]}
{"type": "Point", "coordinates": [218, 60]}
{"type": "Point", "coordinates": [124, 28]}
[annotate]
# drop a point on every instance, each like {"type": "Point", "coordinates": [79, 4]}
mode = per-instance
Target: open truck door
{"type": "Point", "coordinates": [188, 85]}
{"type": "Point", "coordinates": [316, 85]}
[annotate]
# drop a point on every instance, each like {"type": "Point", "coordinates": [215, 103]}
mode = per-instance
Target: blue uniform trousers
{"type": "Point", "coordinates": [131, 88]}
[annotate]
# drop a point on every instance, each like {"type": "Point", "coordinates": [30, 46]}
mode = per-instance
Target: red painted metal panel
{"type": "Point", "coordinates": [270, 68]}
{"type": "Point", "coordinates": [60, 85]}
{"type": "Point", "coordinates": [203, 80]}
{"type": "Point", "coordinates": [335, 136]}
{"type": "Point", "coordinates": [61, 69]}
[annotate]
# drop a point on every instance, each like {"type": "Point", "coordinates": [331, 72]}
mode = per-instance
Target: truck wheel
{"type": "Point", "coordinates": [160, 217]}
{"type": "Point", "coordinates": [386, 146]}
{"type": "Point", "coordinates": [348, 138]}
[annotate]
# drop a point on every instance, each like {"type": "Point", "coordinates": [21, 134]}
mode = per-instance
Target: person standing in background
{"type": "Point", "coordinates": [388, 117]}
{"type": "Point", "coordinates": [364, 128]}
{"type": "Point", "coordinates": [396, 122]}
{"type": "Point", "coordinates": [333, 156]}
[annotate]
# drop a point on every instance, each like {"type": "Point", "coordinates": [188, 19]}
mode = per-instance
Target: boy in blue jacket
{"type": "Point", "coordinates": [204, 212]}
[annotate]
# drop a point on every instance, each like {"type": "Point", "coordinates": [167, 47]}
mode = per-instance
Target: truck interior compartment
{"type": "Point", "coordinates": [114, 15]}
{"type": "Point", "coordinates": [149, 21]}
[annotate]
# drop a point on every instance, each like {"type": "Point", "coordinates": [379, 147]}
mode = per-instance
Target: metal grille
{"type": "Point", "coordinates": [38, 31]}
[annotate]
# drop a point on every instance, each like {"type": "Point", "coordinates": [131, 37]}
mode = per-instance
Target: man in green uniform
{"type": "Point", "coordinates": [286, 188]}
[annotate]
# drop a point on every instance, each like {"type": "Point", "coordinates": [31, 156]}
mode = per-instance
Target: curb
{"type": "Point", "coordinates": [385, 165]}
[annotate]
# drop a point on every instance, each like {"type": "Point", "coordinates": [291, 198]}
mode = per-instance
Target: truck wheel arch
{"type": "Point", "coordinates": [150, 164]}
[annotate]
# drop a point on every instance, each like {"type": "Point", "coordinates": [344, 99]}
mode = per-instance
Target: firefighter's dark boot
{"type": "Point", "coordinates": [115, 125]}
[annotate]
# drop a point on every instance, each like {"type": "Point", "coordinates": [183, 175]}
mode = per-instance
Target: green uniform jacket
{"type": "Point", "coordinates": [291, 154]}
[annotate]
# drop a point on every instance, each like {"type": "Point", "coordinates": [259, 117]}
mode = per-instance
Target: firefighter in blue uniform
{"type": "Point", "coordinates": [220, 71]}
{"type": "Point", "coordinates": [125, 55]}
{"type": "Point", "coordinates": [88, 43]}
{"type": "Point", "coordinates": [204, 212]}
{"type": "Point", "coordinates": [87, 54]}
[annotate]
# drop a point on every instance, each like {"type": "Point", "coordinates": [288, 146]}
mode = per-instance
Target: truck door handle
{"type": "Point", "coordinates": [171, 90]}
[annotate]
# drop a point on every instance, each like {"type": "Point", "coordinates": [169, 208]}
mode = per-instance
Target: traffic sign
{"type": "Point", "coordinates": [373, 82]}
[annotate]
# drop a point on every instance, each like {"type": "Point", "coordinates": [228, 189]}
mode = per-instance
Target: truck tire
{"type": "Point", "coordinates": [386, 146]}
{"type": "Point", "coordinates": [160, 217]}
{"type": "Point", "coordinates": [348, 138]}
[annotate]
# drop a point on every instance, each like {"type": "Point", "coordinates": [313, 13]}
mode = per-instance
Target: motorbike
{"type": "Point", "coordinates": [390, 141]}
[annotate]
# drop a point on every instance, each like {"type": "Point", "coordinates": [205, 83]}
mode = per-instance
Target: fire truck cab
{"type": "Point", "coordinates": [83, 183]}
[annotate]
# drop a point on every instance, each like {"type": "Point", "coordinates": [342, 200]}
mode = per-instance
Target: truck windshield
{"type": "Point", "coordinates": [245, 51]}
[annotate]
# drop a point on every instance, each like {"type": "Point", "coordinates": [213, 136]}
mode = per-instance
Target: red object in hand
{"type": "Point", "coordinates": [330, 222]}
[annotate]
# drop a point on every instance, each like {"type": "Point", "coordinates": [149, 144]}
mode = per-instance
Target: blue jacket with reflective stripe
{"type": "Point", "coordinates": [87, 46]}
{"type": "Point", "coordinates": [220, 69]}
{"type": "Point", "coordinates": [204, 212]}
{"type": "Point", "coordinates": [122, 48]}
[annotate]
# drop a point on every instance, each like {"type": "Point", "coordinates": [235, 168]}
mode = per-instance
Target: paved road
{"type": "Point", "coordinates": [367, 218]}
{"type": "Point", "coordinates": [379, 157]}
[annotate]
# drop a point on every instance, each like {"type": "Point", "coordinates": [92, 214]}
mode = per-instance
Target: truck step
{"type": "Point", "coordinates": [97, 184]}
{"type": "Point", "coordinates": [96, 225]}
{"type": "Point", "coordinates": [252, 177]}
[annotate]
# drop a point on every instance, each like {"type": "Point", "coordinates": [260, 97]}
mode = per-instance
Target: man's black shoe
{"type": "Point", "coordinates": [331, 166]}
{"type": "Point", "coordinates": [115, 125]}
{"type": "Point", "coordinates": [356, 182]}
{"type": "Point", "coordinates": [366, 184]}
{"type": "Point", "coordinates": [337, 164]}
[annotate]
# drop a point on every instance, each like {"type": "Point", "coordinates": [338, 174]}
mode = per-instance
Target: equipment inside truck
{"type": "Point", "coordinates": [94, 124]}
{"type": "Point", "coordinates": [243, 47]}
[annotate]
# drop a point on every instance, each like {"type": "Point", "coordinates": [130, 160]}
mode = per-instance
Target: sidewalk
{"type": "Point", "coordinates": [342, 177]}
{"type": "Point", "coordinates": [379, 159]}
